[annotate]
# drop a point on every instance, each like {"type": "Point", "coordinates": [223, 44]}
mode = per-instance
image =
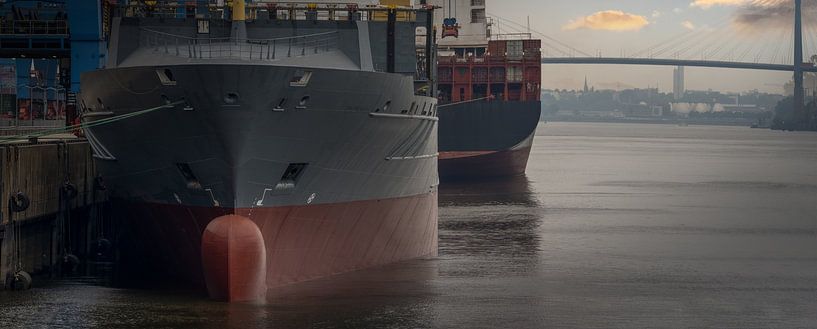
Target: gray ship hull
{"type": "Point", "coordinates": [336, 173]}
{"type": "Point", "coordinates": [486, 139]}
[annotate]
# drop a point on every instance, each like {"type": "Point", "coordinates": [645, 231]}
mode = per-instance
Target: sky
{"type": "Point", "coordinates": [749, 30]}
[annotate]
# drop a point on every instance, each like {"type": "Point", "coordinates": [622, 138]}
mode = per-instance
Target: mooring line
{"type": "Point", "coordinates": [65, 129]}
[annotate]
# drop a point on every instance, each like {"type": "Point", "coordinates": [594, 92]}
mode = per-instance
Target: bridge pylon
{"type": "Point", "coordinates": [799, 93]}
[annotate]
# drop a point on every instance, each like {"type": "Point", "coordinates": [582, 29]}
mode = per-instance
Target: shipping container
{"type": "Point", "coordinates": [515, 51]}
{"type": "Point", "coordinates": [515, 74]}
{"type": "Point", "coordinates": [479, 75]}
{"type": "Point", "coordinates": [497, 48]}
{"type": "Point", "coordinates": [532, 45]}
{"type": "Point", "coordinates": [533, 73]}
{"type": "Point", "coordinates": [509, 70]}
{"type": "Point", "coordinates": [498, 74]}
{"type": "Point", "coordinates": [445, 74]}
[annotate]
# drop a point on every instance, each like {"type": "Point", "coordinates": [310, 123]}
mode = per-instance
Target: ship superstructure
{"type": "Point", "coordinates": [267, 144]}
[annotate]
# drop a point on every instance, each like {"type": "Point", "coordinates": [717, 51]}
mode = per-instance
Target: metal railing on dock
{"type": "Point", "coordinates": [34, 27]}
{"type": "Point", "coordinates": [227, 48]}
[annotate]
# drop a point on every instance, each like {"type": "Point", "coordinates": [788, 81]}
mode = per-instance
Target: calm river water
{"type": "Point", "coordinates": [616, 225]}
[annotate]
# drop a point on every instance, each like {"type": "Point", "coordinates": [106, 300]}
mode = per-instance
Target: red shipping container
{"type": "Point", "coordinates": [533, 74]}
{"type": "Point", "coordinates": [497, 48]}
{"type": "Point", "coordinates": [532, 44]}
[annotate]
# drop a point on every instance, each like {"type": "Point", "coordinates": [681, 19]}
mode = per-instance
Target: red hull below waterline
{"type": "Point", "coordinates": [300, 243]}
{"type": "Point", "coordinates": [465, 165]}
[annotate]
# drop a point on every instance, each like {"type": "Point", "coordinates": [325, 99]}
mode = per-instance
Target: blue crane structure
{"type": "Point", "coordinates": [72, 31]}
{"type": "Point", "coordinates": [65, 37]}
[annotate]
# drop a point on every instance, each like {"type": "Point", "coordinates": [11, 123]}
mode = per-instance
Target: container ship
{"type": "Point", "coordinates": [253, 146]}
{"type": "Point", "coordinates": [489, 92]}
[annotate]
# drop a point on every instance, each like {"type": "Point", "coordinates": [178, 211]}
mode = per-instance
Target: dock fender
{"type": "Point", "coordinates": [19, 202]}
{"type": "Point", "coordinates": [20, 281]}
{"type": "Point", "coordinates": [69, 191]}
{"type": "Point", "coordinates": [102, 248]}
{"type": "Point", "coordinates": [70, 263]}
{"type": "Point", "coordinates": [99, 184]}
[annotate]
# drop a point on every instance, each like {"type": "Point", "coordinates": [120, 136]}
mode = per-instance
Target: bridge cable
{"type": "Point", "coordinates": [809, 46]}
{"type": "Point", "coordinates": [691, 42]}
{"type": "Point", "coordinates": [542, 35]}
{"type": "Point", "coordinates": [734, 41]}
{"type": "Point", "coordinates": [544, 42]}
{"type": "Point", "coordinates": [673, 43]}
{"type": "Point", "coordinates": [699, 45]}
{"type": "Point", "coordinates": [777, 47]}
{"type": "Point", "coordinates": [789, 55]}
{"type": "Point", "coordinates": [682, 39]}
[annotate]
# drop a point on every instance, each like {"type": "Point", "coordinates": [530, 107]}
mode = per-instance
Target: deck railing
{"type": "Point", "coordinates": [33, 27]}
{"type": "Point", "coordinates": [247, 49]}
{"type": "Point", "coordinates": [276, 11]}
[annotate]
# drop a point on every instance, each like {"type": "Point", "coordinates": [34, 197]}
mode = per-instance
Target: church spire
{"type": "Point", "coordinates": [586, 87]}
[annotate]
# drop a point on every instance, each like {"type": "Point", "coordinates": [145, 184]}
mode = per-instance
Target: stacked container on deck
{"type": "Point", "coordinates": [509, 71]}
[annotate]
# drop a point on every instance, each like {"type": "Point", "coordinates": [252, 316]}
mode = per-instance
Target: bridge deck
{"type": "Point", "coordinates": [673, 62]}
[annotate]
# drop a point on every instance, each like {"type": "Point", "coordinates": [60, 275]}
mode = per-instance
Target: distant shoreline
{"type": "Point", "coordinates": [674, 121]}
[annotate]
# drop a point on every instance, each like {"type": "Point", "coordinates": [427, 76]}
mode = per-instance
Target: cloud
{"type": "Point", "coordinates": [656, 14]}
{"type": "Point", "coordinates": [688, 25]}
{"type": "Point", "coordinates": [775, 15]}
{"type": "Point", "coordinates": [609, 20]}
{"type": "Point", "coordinates": [706, 4]}
{"type": "Point", "coordinates": [677, 10]}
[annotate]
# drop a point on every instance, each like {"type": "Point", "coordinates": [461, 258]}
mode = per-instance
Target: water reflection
{"type": "Point", "coordinates": [494, 223]}
{"type": "Point", "coordinates": [389, 296]}
{"type": "Point", "coordinates": [503, 191]}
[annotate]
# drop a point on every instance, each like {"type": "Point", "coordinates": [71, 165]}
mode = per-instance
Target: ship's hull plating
{"type": "Point", "coordinates": [301, 242]}
{"type": "Point", "coordinates": [366, 194]}
{"type": "Point", "coordinates": [485, 139]}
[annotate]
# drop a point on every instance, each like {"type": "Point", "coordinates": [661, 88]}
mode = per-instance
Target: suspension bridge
{"type": "Point", "coordinates": [705, 48]}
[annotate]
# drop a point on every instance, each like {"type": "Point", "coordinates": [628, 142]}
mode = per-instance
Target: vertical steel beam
{"type": "Point", "coordinates": [431, 53]}
{"type": "Point", "coordinates": [88, 50]}
{"type": "Point", "coordinates": [391, 35]}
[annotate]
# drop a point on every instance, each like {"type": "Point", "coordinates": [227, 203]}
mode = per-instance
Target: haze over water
{"type": "Point", "coordinates": [616, 225]}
